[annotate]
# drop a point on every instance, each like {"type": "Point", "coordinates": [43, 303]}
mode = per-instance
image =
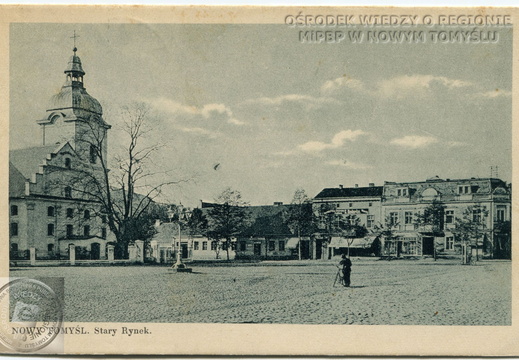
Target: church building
{"type": "Point", "coordinates": [48, 210]}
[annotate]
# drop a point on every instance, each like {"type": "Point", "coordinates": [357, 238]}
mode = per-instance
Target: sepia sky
{"type": "Point", "coordinates": [250, 107]}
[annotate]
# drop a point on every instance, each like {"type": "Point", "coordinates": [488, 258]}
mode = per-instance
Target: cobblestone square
{"type": "Point", "coordinates": [419, 292]}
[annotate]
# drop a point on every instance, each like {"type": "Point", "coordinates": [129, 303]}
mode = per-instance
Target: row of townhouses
{"type": "Point", "coordinates": [48, 213]}
{"type": "Point", "coordinates": [390, 215]}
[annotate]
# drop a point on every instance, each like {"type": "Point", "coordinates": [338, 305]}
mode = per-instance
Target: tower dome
{"type": "Point", "coordinates": [73, 95]}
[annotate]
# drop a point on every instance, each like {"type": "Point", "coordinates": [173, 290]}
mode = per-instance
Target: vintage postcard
{"type": "Point", "coordinates": [258, 180]}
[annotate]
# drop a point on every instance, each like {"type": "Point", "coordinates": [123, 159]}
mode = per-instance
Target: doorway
{"type": "Point", "coordinates": [257, 249]}
{"type": "Point", "coordinates": [428, 245]}
{"type": "Point", "coordinates": [95, 251]}
{"type": "Point", "coordinates": [185, 252]}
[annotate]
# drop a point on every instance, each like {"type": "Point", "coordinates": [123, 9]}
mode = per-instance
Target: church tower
{"type": "Point", "coordinates": [75, 116]}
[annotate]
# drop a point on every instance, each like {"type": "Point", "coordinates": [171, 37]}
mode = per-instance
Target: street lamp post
{"type": "Point", "coordinates": [179, 266]}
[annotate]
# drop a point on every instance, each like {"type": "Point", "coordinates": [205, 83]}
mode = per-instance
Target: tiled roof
{"type": "Point", "coordinates": [371, 191]}
{"type": "Point", "coordinates": [16, 182]}
{"type": "Point", "coordinates": [27, 160]}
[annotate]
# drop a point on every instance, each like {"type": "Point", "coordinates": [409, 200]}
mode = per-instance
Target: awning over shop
{"type": "Point", "coordinates": [292, 243]}
{"type": "Point", "coordinates": [361, 243]}
{"type": "Point", "coordinates": [408, 236]}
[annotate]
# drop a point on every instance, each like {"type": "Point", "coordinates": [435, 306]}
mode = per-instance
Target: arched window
{"type": "Point", "coordinates": [430, 194]}
{"type": "Point", "coordinates": [50, 211]}
{"type": "Point", "coordinates": [50, 230]}
{"type": "Point", "coordinates": [93, 154]}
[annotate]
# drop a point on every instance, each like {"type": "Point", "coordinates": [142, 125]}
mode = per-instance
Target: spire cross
{"type": "Point", "coordinates": [74, 37]}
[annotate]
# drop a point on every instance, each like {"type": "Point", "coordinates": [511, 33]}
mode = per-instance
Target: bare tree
{"type": "Point", "coordinates": [125, 193]}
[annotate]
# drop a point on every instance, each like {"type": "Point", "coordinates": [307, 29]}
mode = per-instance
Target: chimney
{"type": "Point", "coordinates": [356, 185]}
{"type": "Point", "coordinates": [341, 186]}
{"type": "Point", "coordinates": [371, 184]}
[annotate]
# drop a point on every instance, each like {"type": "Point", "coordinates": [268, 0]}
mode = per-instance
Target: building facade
{"type": "Point", "coordinates": [435, 217]}
{"type": "Point", "coordinates": [333, 206]}
{"type": "Point", "coordinates": [483, 205]}
{"type": "Point", "coordinates": [47, 211]}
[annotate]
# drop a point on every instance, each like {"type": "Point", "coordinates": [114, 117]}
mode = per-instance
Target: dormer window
{"type": "Point", "coordinates": [402, 192]}
{"type": "Point", "coordinates": [464, 189]}
{"type": "Point", "coordinates": [68, 163]}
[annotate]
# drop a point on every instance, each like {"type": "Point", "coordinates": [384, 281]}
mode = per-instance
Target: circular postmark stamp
{"type": "Point", "coordinates": [30, 315]}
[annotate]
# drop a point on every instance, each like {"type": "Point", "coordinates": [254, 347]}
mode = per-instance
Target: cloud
{"type": "Point", "coordinates": [348, 164]}
{"type": "Point", "coordinates": [212, 111]}
{"type": "Point", "coordinates": [331, 86]}
{"type": "Point", "coordinates": [414, 141]}
{"type": "Point", "coordinates": [200, 131]}
{"type": "Point", "coordinates": [494, 94]}
{"type": "Point", "coordinates": [338, 141]}
{"type": "Point", "coordinates": [308, 101]}
{"type": "Point", "coordinates": [416, 85]}
{"type": "Point", "coordinates": [398, 87]}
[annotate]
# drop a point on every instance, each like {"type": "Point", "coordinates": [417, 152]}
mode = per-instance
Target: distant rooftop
{"type": "Point", "coordinates": [340, 192]}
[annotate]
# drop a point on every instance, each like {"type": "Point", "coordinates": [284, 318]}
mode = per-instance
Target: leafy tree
{"type": "Point", "coordinates": [471, 228]}
{"type": "Point", "coordinates": [433, 216]}
{"type": "Point", "coordinates": [299, 217]}
{"type": "Point", "coordinates": [386, 231]}
{"type": "Point", "coordinates": [502, 246]}
{"type": "Point", "coordinates": [197, 222]}
{"type": "Point", "coordinates": [349, 227]}
{"type": "Point", "coordinates": [227, 218]}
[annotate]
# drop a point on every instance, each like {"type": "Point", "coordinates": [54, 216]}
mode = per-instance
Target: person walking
{"type": "Point", "coordinates": [346, 269]}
